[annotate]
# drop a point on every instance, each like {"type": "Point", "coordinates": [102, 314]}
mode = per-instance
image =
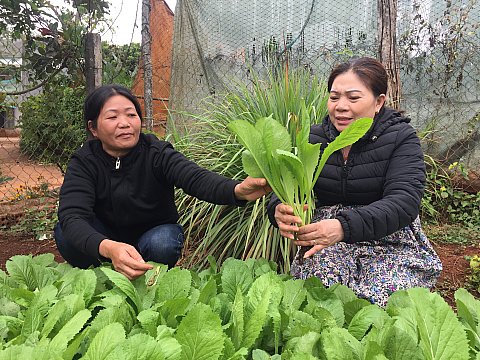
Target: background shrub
{"type": "Point", "coordinates": [52, 124]}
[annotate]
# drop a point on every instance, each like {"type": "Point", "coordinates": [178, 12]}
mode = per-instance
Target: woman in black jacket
{"type": "Point", "coordinates": [366, 233]}
{"type": "Point", "coordinates": [117, 198]}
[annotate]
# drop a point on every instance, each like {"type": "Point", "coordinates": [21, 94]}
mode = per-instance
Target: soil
{"type": "Point", "coordinates": [26, 175]}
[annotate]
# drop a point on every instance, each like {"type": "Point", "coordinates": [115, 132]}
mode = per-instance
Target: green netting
{"type": "Point", "coordinates": [438, 46]}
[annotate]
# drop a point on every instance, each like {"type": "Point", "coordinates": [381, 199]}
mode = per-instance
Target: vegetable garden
{"type": "Point", "coordinates": [231, 296]}
{"type": "Point", "coordinates": [241, 309]}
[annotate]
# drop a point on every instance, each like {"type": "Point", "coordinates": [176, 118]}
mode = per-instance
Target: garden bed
{"type": "Point", "coordinates": [456, 269]}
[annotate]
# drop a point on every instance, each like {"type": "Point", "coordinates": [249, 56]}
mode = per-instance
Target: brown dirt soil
{"type": "Point", "coordinates": [23, 173]}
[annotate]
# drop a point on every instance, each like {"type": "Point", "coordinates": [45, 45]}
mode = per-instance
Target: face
{"type": "Point", "coordinates": [118, 126]}
{"type": "Point", "coordinates": [351, 100]}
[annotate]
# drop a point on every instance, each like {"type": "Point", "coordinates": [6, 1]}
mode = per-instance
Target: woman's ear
{"type": "Point", "coordinates": [91, 128]}
{"type": "Point", "coordinates": [380, 102]}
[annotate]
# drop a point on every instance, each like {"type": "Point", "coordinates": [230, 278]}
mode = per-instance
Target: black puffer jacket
{"type": "Point", "coordinates": [132, 194]}
{"type": "Point", "coordinates": [385, 172]}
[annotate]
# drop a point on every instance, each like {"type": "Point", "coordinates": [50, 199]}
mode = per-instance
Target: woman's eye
{"type": "Point", "coordinates": [132, 115]}
{"type": "Point", "coordinates": [111, 117]}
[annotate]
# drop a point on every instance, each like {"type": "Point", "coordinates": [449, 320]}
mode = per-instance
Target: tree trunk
{"type": "Point", "coordinates": [387, 49]}
{"type": "Point", "coordinates": [147, 64]}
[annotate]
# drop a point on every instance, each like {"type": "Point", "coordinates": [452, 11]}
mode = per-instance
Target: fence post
{"type": "Point", "coordinates": [147, 64]}
{"type": "Point", "coordinates": [93, 61]}
{"type": "Point", "coordinates": [387, 48]}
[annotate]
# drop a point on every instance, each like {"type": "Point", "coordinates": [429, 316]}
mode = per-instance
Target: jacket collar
{"type": "Point", "coordinates": [125, 160]}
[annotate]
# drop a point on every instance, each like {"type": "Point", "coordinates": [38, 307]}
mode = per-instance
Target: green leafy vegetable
{"type": "Point", "coordinates": [290, 167]}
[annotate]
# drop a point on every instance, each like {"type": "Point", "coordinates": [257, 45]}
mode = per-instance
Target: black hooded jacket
{"type": "Point", "coordinates": [132, 194]}
{"type": "Point", "coordinates": [384, 172]}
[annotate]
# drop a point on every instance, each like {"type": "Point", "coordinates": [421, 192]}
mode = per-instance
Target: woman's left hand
{"type": "Point", "coordinates": [252, 189]}
{"type": "Point", "coordinates": [319, 235]}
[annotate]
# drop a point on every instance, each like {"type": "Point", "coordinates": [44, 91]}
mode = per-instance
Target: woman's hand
{"type": "Point", "coordinates": [319, 235]}
{"type": "Point", "coordinates": [252, 189]}
{"type": "Point", "coordinates": [287, 222]}
{"type": "Point", "coordinates": [125, 258]}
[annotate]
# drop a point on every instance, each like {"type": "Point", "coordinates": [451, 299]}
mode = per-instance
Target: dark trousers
{"type": "Point", "coordinates": [162, 244]}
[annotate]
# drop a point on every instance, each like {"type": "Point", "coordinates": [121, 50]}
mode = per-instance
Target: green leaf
{"type": "Point", "coordinates": [373, 351]}
{"type": "Point", "coordinates": [441, 334]}
{"type": "Point", "coordinates": [300, 324]}
{"type": "Point", "coordinates": [235, 274]}
{"type": "Point", "coordinates": [34, 316]}
{"type": "Point", "coordinates": [208, 291]}
{"type": "Point", "coordinates": [176, 283]}
{"type": "Point", "coordinates": [200, 334]}
{"type": "Point", "coordinates": [250, 165]}
{"type": "Point", "coordinates": [261, 141]}
{"type": "Point", "coordinates": [20, 269]}
{"type": "Point", "coordinates": [172, 309]}
{"type": "Point", "coordinates": [138, 347]}
{"type": "Point", "coordinates": [148, 320]}
{"type": "Point", "coordinates": [105, 342]}
{"type": "Point", "coordinates": [399, 342]}
{"type": "Point", "coordinates": [171, 348]}
{"type": "Point", "coordinates": [352, 307]}
{"type": "Point", "coordinates": [368, 316]}
{"type": "Point", "coordinates": [251, 138]}
{"type": "Point", "coordinates": [347, 137]}
{"type": "Point", "coordinates": [71, 328]}
{"type": "Point", "coordinates": [325, 298]}
{"type": "Point", "coordinates": [238, 323]}
{"type": "Point", "coordinates": [274, 135]}
{"type": "Point", "coordinates": [294, 165]}
{"type": "Point", "coordinates": [125, 286]}
{"type": "Point", "coordinates": [338, 343]}
{"type": "Point", "coordinates": [259, 354]}
{"type": "Point", "coordinates": [84, 284]}
{"type": "Point", "coordinates": [294, 295]}
{"type": "Point", "coordinates": [305, 344]}
{"type": "Point", "coordinates": [256, 319]}
{"type": "Point", "coordinates": [468, 310]}
{"type": "Point", "coordinates": [61, 312]}
{"type": "Point", "coordinates": [309, 156]}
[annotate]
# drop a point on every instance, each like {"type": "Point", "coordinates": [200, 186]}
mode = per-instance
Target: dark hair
{"type": "Point", "coordinates": [95, 101]}
{"type": "Point", "coordinates": [370, 71]}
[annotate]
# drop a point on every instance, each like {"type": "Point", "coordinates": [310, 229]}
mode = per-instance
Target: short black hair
{"type": "Point", "coordinates": [95, 101]}
{"type": "Point", "coordinates": [370, 71]}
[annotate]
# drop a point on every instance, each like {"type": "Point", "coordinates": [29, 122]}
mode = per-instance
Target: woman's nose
{"type": "Point", "coordinates": [342, 104]}
{"type": "Point", "coordinates": [123, 121]}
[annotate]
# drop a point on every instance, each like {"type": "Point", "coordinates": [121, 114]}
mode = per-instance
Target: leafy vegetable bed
{"type": "Point", "coordinates": [243, 310]}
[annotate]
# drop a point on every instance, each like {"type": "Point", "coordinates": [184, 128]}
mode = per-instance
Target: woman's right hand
{"type": "Point", "coordinates": [125, 258]}
{"type": "Point", "coordinates": [287, 222]}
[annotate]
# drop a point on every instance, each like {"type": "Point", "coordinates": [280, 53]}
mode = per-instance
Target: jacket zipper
{"type": "Point", "coordinates": [344, 180]}
{"type": "Point", "coordinates": [117, 163]}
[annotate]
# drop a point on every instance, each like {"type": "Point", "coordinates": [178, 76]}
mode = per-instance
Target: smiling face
{"type": "Point", "coordinates": [118, 126]}
{"type": "Point", "coordinates": [350, 99]}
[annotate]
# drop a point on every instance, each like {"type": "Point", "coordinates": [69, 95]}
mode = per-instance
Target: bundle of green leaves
{"type": "Point", "coordinates": [284, 156]}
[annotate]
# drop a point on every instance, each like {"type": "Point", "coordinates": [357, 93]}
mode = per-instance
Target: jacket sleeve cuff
{"type": "Point", "coordinates": [271, 211]}
{"type": "Point", "coordinates": [92, 245]}
{"type": "Point", "coordinates": [347, 235]}
{"type": "Point", "coordinates": [235, 200]}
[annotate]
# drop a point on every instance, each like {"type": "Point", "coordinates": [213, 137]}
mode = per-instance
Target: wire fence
{"type": "Point", "coordinates": [216, 43]}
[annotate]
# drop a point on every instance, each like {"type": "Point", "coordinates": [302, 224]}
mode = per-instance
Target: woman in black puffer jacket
{"type": "Point", "coordinates": [366, 233]}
